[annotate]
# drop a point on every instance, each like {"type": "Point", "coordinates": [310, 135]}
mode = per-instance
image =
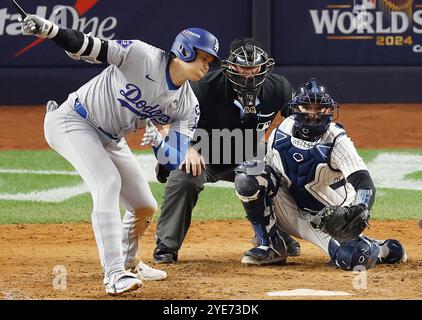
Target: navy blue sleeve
{"type": "Point", "coordinates": [72, 41]}
{"type": "Point", "coordinates": [172, 151]}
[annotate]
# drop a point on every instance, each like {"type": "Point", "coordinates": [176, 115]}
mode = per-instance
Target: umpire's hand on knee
{"type": "Point", "coordinates": [193, 163]}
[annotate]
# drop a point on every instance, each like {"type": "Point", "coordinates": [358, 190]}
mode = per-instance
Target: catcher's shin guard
{"type": "Point", "coordinates": [253, 187]}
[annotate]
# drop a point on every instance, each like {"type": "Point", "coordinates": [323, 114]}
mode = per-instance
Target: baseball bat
{"type": "Point", "coordinates": [21, 12]}
{"type": "Point", "coordinates": [19, 8]}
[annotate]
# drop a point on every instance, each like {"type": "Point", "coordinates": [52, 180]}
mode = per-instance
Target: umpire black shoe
{"type": "Point", "coordinates": [163, 254]}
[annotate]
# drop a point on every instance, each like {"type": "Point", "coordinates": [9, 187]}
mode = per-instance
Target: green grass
{"type": "Point", "coordinates": [17, 183]}
{"type": "Point", "coordinates": [214, 203]}
{"type": "Point", "coordinates": [78, 209]}
{"type": "Point", "coordinates": [391, 204]}
{"type": "Point", "coordinates": [369, 155]}
{"type": "Point", "coordinates": [33, 160]}
{"type": "Point", "coordinates": [417, 175]}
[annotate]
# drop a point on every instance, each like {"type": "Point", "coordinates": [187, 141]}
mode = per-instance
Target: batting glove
{"type": "Point", "coordinates": [151, 135]}
{"type": "Point", "coordinates": [40, 27]}
{"type": "Point", "coordinates": [51, 106]}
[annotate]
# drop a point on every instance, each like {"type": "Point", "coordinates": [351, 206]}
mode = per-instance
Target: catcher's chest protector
{"type": "Point", "coordinates": [300, 161]}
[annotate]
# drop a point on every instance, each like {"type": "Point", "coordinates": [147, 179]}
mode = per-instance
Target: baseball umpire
{"type": "Point", "coordinates": [243, 95]}
{"type": "Point", "coordinates": [142, 87]}
{"type": "Point", "coordinates": [315, 186]}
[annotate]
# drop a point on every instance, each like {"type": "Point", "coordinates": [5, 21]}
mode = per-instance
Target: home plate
{"type": "Point", "coordinates": [306, 292]}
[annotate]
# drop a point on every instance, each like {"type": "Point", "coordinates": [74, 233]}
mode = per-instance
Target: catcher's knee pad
{"type": "Point", "coordinates": [247, 187]}
{"type": "Point", "coordinates": [250, 180]}
{"type": "Point", "coordinates": [361, 251]}
{"type": "Point", "coordinates": [143, 218]}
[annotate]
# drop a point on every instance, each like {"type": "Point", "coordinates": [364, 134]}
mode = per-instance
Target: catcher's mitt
{"type": "Point", "coordinates": [342, 223]}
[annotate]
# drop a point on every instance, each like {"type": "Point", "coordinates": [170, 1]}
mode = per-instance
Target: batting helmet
{"type": "Point", "coordinates": [195, 38]}
{"type": "Point", "coordinates": [308, 127]}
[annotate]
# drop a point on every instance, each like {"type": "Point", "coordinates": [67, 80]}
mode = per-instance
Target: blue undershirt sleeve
{"type": "Point", "coordinates": [172, 151]}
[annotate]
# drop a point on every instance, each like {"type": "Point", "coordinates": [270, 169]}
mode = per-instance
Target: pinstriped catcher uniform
{"type": "Point", "coordinates": [313, 185]}
{"type": "Point", "coordinates": [312, 176]}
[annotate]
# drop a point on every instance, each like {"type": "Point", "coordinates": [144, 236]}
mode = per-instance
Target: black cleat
{"type": "Point", "coordinates": [163, 254]}
{"type": "Point", "coordinates": [293, 247]}
{"type": "Point", "coordinates": [262, 255]}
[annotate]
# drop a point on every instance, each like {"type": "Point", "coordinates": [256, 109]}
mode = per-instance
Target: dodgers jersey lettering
{"type": "Point", "coordinates": [315, 172]}
{"type": "Point", "coordinates": [133, 88]}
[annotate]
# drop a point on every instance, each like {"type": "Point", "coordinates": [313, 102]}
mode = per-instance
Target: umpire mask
{"type": "Point", "coordinates": [247, 68]}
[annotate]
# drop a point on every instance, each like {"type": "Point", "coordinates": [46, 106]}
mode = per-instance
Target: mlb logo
{"type": "Point", "coordinates": [216, 46]}
{"type": "Point", "coordinates": [367, 4]}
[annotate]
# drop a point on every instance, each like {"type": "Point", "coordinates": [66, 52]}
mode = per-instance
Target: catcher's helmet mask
{"type": "Point", "coordinates": [247, 53]}
{"type": "Point", "coordinates": [309, 125]}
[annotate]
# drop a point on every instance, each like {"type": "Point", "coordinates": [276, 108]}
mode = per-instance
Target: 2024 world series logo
{"type": "Point", "coordinates": [391, 23]}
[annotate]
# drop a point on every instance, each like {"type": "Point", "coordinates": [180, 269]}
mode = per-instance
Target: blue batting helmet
{"type": "Point", "coordinates": [195, 38]}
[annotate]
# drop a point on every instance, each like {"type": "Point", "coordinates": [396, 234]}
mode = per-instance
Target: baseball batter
{"type": "Point", "coordinates": [142, 87]}
{"type": "Point", "coordinates": [311, 164]}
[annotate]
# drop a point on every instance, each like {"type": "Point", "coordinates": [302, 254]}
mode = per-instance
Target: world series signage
{"type": "Point", "coordinates": [348, 32]}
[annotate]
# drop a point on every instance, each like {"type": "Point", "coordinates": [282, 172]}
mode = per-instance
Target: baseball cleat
{"type": "Point", "coordinates": [163, 254]}
{"type": "Point", "coordinates": [148, 273]}
{"type": "Point", "coordinates": [292, 246]}
{"type": "Point", "coordinates": [262, 255]}
{"type": "Point", "coordinates": [391, 251]}
{"type": "Point", "coordinates": [120, 282]}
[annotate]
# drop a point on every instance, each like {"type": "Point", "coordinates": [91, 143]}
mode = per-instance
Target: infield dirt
{"type": "Point", "coordinates": [209, 261]}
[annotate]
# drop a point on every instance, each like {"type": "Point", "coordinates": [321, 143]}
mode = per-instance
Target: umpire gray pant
{"type": "Point", "coordinates": [180, 197]}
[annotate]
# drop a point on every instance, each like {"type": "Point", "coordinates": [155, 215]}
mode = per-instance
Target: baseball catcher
{"type": "Point", "coordinates": [315, 186]}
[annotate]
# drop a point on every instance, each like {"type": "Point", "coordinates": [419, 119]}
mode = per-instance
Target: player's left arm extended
{"type": "Point", "coordinates": [77, 45]}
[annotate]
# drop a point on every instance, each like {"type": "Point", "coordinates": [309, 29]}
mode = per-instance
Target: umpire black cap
{"type": "Point", "coordinates": [245, 42]}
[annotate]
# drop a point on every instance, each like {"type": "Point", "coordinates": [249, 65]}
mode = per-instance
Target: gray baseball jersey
{"type": "Point", "coordinates": [136, 86]}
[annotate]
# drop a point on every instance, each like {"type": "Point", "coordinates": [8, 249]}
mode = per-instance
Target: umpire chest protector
{"type": "Point", "coordinates": [303, 164]}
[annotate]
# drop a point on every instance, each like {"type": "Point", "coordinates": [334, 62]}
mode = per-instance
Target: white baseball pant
{"type": "Point", "coordinates": [111, 172]}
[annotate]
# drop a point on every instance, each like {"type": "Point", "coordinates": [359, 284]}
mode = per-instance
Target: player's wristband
{"type": "Point", "coordinates": [363, 196]}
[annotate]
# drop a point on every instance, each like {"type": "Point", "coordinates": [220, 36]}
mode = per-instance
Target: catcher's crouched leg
{"type": "Point", "coordinates": [271, 248]}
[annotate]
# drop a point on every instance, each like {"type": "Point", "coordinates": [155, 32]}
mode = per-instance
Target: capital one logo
{"type": "Point", "coordinates": [65, 16]}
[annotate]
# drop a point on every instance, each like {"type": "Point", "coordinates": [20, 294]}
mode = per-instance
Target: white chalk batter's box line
{"type": "Point", "coordinates": [388, 170]}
